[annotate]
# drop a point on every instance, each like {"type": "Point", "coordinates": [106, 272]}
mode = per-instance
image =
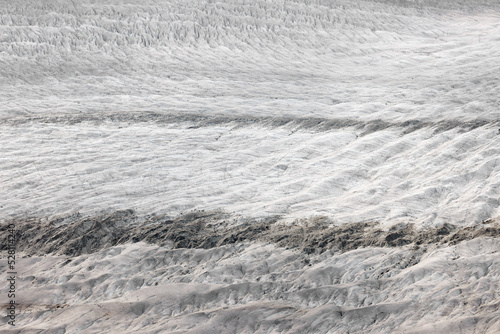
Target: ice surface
{"type": "Point", "coordinates": [255, 288]}
{"type": "Point", "coordinates": [427, 176]}
{"type": "Point", "coordinates": [354, 111]}
{"type": "Point", "coordinates": [412, 80]}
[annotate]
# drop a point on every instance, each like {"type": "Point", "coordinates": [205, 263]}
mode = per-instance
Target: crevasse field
{"type": "Point", "coordinates": [234, 166]}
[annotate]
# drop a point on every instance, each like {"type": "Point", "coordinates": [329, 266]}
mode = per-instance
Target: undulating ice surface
{"type": "Point", "coordinates": [343, 111]}
{"type": "Point", "coordinates": [354, 110]}
{"type": "Point", "coordinates": [425, 176]}
{"type": "Point", "coordinates": [255, 288]}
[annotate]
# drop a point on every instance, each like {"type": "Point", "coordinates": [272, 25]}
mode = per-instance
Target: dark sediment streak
{"type": "Point", "coordinates": [75, 235]}
{"type": "Point", "coordinates": [200, 120]}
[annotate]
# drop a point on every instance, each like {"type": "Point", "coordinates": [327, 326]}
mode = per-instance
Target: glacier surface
{"type": "Point", "coordinates": [319, 112]}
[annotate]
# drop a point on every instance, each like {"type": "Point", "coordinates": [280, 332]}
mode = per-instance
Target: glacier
{"type": "Point", "coordinates": [298, 166]}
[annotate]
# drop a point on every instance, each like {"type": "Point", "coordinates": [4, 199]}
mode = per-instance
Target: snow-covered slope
{"type": "Point", "coordinates": [345, 112]}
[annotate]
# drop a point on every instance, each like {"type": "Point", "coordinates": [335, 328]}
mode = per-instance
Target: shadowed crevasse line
{"type": "Point", "coordinates": [75, 235]}
{"type": "Point", "coordinates": [199, 120]}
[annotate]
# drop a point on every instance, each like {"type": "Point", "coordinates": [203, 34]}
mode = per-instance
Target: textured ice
{"type": "Point", "coordinates": [418, 83]}
{"type": "Point", "coordinates": [354, 111]}
{"type": "Point", "coordinates": [255, 288]}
